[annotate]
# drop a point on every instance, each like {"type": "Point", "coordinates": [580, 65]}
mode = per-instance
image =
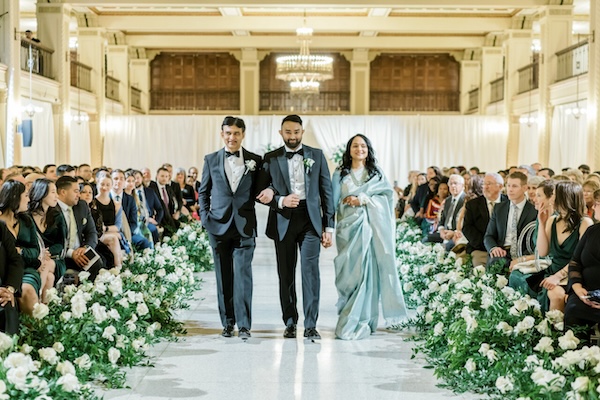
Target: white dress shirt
{"type": "Point", "coordinates": [296, 175]}
{"type": "Point", "coordinates": [67, 211]}
{"type": "Point", "coordinates": [510, 232]}
{"type": "Point", "coordinates": [234, 169]}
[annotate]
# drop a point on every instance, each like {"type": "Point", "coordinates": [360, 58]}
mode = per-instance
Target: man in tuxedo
{"type": "Point", "coordinates": [227, 197]}
{"type": "Point", "coordinates": [477, 215]}
{"type": "Point", "coordinates": [80, 226]}
{"type": "Point", "coordinates": [507, 221]}
{"type": "Point", "coordinates": [299, 194]}
{"type": "Point", "coordinates": [150, 205]}
{"type": "Point", "coordinates": [451, 211]}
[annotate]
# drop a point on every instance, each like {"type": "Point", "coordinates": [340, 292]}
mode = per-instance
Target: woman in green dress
{"type": "Point", "coordinates": [49, 222]}
{"type": "Point", "coordinates": [39, 268]}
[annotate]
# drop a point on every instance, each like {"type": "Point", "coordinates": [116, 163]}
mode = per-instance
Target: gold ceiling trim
{"type": "Point", "coordinates": [180, 33]}
{"type": "Point", "coordinates": [407, 34]}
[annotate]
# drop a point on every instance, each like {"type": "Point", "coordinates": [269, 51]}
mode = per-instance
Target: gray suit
{"type": "Point", "coordinates": [230, 219]}
{"type": "Point", "coordinates": [301, 227]}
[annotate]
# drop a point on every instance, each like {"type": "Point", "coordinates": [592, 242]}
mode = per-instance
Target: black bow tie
{"type": "Point", "coordinates": [229, 154]}
{"type": "Point", "coordinates": [290, 154]}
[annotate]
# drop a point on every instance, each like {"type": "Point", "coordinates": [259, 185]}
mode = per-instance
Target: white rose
{"type": "Point", "coordinates": [532, 360]}
{"type": "Point", "coordinates": [18, 377]}
{"type": "Point", "coordinates": [109, 333]}
{"type": "Point", "coordinates": [438, 330]}
{"type": "Point", "coordinates": [568, 341]}
{"type": "Point", "coordinates": [120, 343]}
{"type": "Point", "coordinates": [123, 302]}
{"type": "Point", "coordinates": [504, 327]}
{"type": "Point", "coordinates": [404, 268]}
{"type": "Point", "coordinates": [6, 342]}
{"type": "Point", "coordinates": [581, 384]}
{"type": "Point", "coordinates": [501, 281]}
{"type": "Point", "coordinates": [545, 345]}
{"type": "Point", "coordinates": [113, 355]}
{"type": "Point", "coordinates": [471, 325]}
{"type": "Point", "coordinates": [40, 310]}
{"type": "Point", "coordinates": [487, 301]}
{"type": "Point", "coordinates": [142, 309]}
{"type": "Point", "coordinates": [65, 368]}
{"type": "Point", "coordinates": [69, 383]}
{"type": "Point", "coordinates": [524, 325]}
{"type": "Point", "coordinates": [114, 314]}
{"type": "Point", "coordinates": [491, 355]}
{"type": "Point", "coordinates": [49, 355]}
{"type": "Point", "coordinates": [99, 313]}
{"type": "Point", "coordinates": [3, 395]}
{"type": "Point", "coordinates": [160, 273]}
{"type": "Point", "coordinates": [138, 343]}
{"type": "Point", "coordinates": [83, 362]}
{"type": "Point", "coordinates": [116, 287]}
{"type": "Point", "coordinates": [65, 316]}
{"type": "Point", "coordinates": [84, 276]}
{"type": "Point", "coordinates": [543, 327]}
{"type": "Point", "coordinates": [429, 317]}
{"type": "Point", "coordinates": [26, 349]}
{"type": "Point", "coordinates": [58, 347]}
{"type": "Point", "coordinates": [408, 287]}
{"type": "Point", "coordinates": [470, 366]}
{"type": "Point", "coordinates": [504, 384]}
{"type": "Point", "coordinates": [484, 348]}
{"type": "Point", "coordinates": [17, 360]}
{"type": "Point", "coordinates": [100, 287]}
{"type": "Point", "coordinates": [52, 296]}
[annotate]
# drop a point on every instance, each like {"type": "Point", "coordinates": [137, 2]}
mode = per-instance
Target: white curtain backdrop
{"type": "Point", "coordinates": [529, 139]}
{"type": "Point", "coordinates": [80, 142]}
{"type": "Point", "coordinates": [568, 139]}
{"type": "Point", "coordinates": [402, 143]}
{"type": "Point", "coordinates": [41, 151]}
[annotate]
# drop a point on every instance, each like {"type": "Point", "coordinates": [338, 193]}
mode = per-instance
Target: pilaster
{"type": "Point", "coordinates": [360, 75]}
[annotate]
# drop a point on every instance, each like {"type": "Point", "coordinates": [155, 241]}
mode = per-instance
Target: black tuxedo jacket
{"type": "Point", "coordinates": [446, 211]}
{"type": "Point", "coordinates": [476, 221]}
{"type": "Point", "coordinates": [219, 205]}
{"type": "Point", "coordinates": [317, 182]}
{"type": "Point", "coordinates": [495, 233]}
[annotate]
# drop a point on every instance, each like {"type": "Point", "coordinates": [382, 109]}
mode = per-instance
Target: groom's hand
{"type": "Point", "coordinates": [326, 239]}
{"type": "Point", "coordinates": [291, 201]}
{"type": "Point", "coordinates": [266, 196]}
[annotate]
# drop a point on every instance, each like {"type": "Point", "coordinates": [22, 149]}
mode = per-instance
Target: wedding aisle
{"type": "Point", "coordinates": [205, 365]}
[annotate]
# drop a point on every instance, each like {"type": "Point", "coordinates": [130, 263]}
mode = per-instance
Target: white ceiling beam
{"type": "Point", "coordinates": [199, 42]}
{"type": "Point", "coordinates": [174, 23]}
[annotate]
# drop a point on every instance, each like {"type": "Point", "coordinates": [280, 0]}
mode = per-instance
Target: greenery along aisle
{"type": "Point", "coordinates": [88, 333]}
{"type": "Point", "coordinates": [482, 336]}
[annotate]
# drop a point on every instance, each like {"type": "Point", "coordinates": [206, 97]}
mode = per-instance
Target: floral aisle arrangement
{"type": "Point", "coordinates": [482, 336]}
{"type": "Point", "coordinates": [338, 153]}
{"type": "Point", "coordinates": [195, 240]}
{"type": "Point", "coordinates": [89, 332]}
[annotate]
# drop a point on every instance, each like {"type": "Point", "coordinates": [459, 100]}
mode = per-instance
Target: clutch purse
{"type": "Point", "coordinates": [532, 266]}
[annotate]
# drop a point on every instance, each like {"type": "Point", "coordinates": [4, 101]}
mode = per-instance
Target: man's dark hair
{"type": "Point", "coordinates": [84, 165]}
{"type": "Point", "coordinates": [64, 182]}
{"type": "Point", "coordinates": [234, 121]}
{"type": "Point", "coordinates": [45, 170]}
{"type": "Point", "coordinates": [63, 169]}
{"type": "Point", "coordinates": [292, 118]}
{"type": "Point", "coordinates": [162, 169]}
{"type": "Point", "coordinates": [550, 171]}
{"type": "Point", "coordinates": [476, 169]}
{"type": "Point", "coordinates": [584, 168]}
{"type": "Point", "coordinates": [519, 175]}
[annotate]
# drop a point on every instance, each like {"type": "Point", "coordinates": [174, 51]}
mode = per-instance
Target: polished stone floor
{"type": "Point", "coordinates": [204, 365]}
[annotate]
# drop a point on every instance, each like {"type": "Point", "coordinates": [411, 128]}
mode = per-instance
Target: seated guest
{"type": "Point", "coordinates": [193, 178]}
{"type": "Point", "coordinates": [589, 187]}
{"type": "Point", "coordinates": [557, 238]}
{"type": "Point", "coordinates": [126, 211]}
{"type": "Point", "coordinates": [87, 194]}
{"type": "Point", "coordinates": [507, 221]}
{"type": "Point", "coordinates": [467, 179]}
{"type": "Point", "coordinates": [141, 228]}
{"type": "Point", "coordinates": [146, 176]}
{"type": "Point", "coordinates": [65, 169]}
{"type": "Point", "coordinates": [536, 167]}
{"type": "Point", "coordinates": [532, 185]}
{"type": "Point", "coordinates": [574, 174]}
{"type": "Point", "coordinates": [11, 276]}
{"type": "Point", "coordinates": [451, 210]}
{"type": "Point", "coordinates": [50, 171]}
{"type": "Point", "coordinates": [111, 235]}
{"type": "Point", "coordinates": [85, 171]}
{"type": "Point", "coordinates": [48, 221]}
{"type": "Point", "coordinates": [434, 204]}
{"type": "Point", "coordinates": [585, 170]}
{"type": "Point", "coordinates": [175, 189]}
{"type": "Point", "coordinates": [150, 205]}
{"type": "Point", "coordinates": [546, 173]}
{"type": "Point", "coordinates": [188, 194]}
{"type": "Point", "coordinates": [38, 274]}
{"type": "Point", "coordinates": [81, 230]}
{"type": "Point", "coordinates": [421, 192]}
{"type": "Point", "coordinates": [163, 191]}
{"type": "Point", "coordinates": [477, 215]}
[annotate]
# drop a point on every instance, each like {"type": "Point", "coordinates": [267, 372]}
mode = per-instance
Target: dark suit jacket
{"type": "Point", "coordinates": [177, 195]}
{"type": "Point", "coordinates": [476, 221]}
{"type": "Point", "coordinates": [495, 233]}
{"type": "Point", "coordinates": [86, 227]}
{"type": "Point", "coordinates": [153, 204]}
{"type": "Point", "coordinates": [11, 264]}
{"type": "Point", "coordinates": [445, 212]}
{"type": "Point", "coordinates": [319, 193]}
{"type": "Point", "coordinates": [130, 211]}
{"type": "Point", "coordinates": [170, 209]}
{"type": "Point", "coordinates": [219, 205]}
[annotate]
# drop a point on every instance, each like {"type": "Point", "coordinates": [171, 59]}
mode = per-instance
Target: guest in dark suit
{"type": "Point", "coordinates": [299, 194]}
{"type": "Point", "coordinates": [151, 206]}
{"type": "Point", "coordinates": [477, 216]}
{"type": "Point", "coordinates": [80, 224]}
{"type": "Point", "coordinates": [175, 188]}
{"type": "Point", "coordinates": [164, 192]}
{"type": "Point", "coordinates": [227, 197]}
{"type": "Point", "coordinates": [452, 206]}
{"type": "Point", "coordinates": [507, 222]}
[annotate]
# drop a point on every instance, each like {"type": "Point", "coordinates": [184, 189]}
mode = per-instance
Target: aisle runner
{"type": "Point", "coordinates": [482, 336]}
{"type": "Point", "coordinates": [89, 332]}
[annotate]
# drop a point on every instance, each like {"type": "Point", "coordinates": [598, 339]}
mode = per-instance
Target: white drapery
{"type": "Point", "coordinates": [41, 151]}
{"type": "Point", "coordinates": [80, 148]}
{"type": "Point", "coordinates": [529, 140]}
{"type": "Point", "coordinates": [568, 137]}
{"type": "Point", "coordinates": [402, 143]}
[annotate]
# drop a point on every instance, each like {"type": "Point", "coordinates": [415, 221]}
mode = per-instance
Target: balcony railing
{"type": "Point", "coordinates": [529, 77]}
{"type": "Point", "coordinates": [81, 76]}
{"type": "Point", "coordinates": [135, 95]}
{"type": "Point", "coordinates": [181, 99]}
{"type": "Point", "coordinates": [40, 57]}
{"type": "Point", "coordinates": [473, 99]}
{"type": "Point", "coordinates": [497, 90]}
{"type": "Point", "coordinates": [572, 61]}
{"type": "Point", "coordinates": [324, 102]}
{"type": "Point", "coordinates": [411, 100]}
{"type": "Point", "coordinates": [112, 88]}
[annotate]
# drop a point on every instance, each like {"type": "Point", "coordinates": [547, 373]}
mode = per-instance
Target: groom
{"type": "Point", "coordinates": [227, 197]}
{"type": "Point", "coordinates": [301, 213]}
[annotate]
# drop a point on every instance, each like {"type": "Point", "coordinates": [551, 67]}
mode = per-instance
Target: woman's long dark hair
{"type": "Point", "coordinates": [39, 190]}
{"type": "Point", "coordinates": [10, 196]}
{"type": "Point", "coordinates": [568, 200]}
{"type": "Point", "coordinates": [370, 162]}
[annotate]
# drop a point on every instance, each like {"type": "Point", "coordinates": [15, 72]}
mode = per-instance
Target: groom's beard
{"type": "Point", "coordinates": [293, 143]}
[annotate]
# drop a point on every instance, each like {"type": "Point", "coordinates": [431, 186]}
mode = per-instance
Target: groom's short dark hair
{"type": "Point", "coordinates": [293, 118]}
{"type": "Point", "coordinates": [234, 121]}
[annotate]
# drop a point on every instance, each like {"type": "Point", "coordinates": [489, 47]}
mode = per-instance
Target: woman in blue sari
{"type": "Point", "coordinates": [365, 266]}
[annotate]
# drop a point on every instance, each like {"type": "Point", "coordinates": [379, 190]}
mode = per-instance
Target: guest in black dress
{"type": "Point", "coordinates": [86, 193]}
{"type": "Point", "coordinates": [11, 276]}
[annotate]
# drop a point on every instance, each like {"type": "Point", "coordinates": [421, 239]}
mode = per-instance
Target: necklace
{"type": "Point", "coordinates": [363, 177]}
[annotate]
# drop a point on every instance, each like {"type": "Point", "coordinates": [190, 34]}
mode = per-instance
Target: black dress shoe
{"type": "Point", "coordinates": [290, 332]}
{"type": "Point", "coordinates": [227, 331]}
{"type": "Point", "coordinates": [311, 333]}
{"type": "Point", "coordinates": [244, 333]}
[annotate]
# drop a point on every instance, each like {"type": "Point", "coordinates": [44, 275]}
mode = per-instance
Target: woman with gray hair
{"type": "Point", "coordinates": [532, 184]}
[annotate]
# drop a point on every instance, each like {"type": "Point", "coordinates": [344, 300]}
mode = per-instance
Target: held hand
{"type": "Point", "coordinates": [352, 201]}
{"type": "Point", "coordinates": [512, 265]}
{"type": "Point", "coordinates": [6, 297]}
{"type": "Point", "coordinates": [266, 196]}
{"type": "Point", "coordinates": [498, 252]}
{"type": "Point", "coordinates": [550, 282]}
{"type": "Point", "coordinates": [326, 239]}
{"type": "Point", "coordinates": [291, 201]}
{"type": "Point", "coordinates": [458, 235]}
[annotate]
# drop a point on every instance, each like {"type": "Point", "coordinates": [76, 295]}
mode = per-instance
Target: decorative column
{"type": "Point", "coordinates": [139, 76]}
{"type": "Point", "coordinates": [117, 66]}
{"type": "Point", "coordinates": [593, 102]}
{"type": "Point", "coordinates": [470, 76]}
{"type": "Point", "coordinates": [53, 29]}
{"type": "Point", "coordinates": [492, 67]}
{"type": "Point", "coordinates": [556, 24]}
{"type": "Point", "coordinates": [249, 80]}
{"type": "Point", "coordinates": [360, 75]}
{"type": "Point", "coordinates": [91, 50]}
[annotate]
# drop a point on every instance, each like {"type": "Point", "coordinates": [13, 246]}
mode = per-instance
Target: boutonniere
{"type": "Point", "coordinates": [250, 166]}
{"type": "Point", "coordinates": [308, 163]}
{"type": "Point", "coordinates": [84, 221]}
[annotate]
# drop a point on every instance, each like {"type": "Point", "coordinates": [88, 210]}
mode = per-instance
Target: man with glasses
{"type": "Point", "coordinates": [451, 211]}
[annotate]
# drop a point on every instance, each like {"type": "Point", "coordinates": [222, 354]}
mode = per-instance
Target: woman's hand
{"type": "Point", "coordinates": [351, 201]}
{"type": "Point", "coordinates": [550, 282]}
{"type": "Point", "coordinates": [543, 215]}
{"type": "Point", "coordinates": [6, 297]}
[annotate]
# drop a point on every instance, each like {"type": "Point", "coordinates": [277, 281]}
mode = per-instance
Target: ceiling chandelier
{"type": "Point", "coordinates": [304, 71]}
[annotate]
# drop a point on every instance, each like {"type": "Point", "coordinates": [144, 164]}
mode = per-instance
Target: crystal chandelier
{"type": "Point", "coordinates": [304, 71]}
